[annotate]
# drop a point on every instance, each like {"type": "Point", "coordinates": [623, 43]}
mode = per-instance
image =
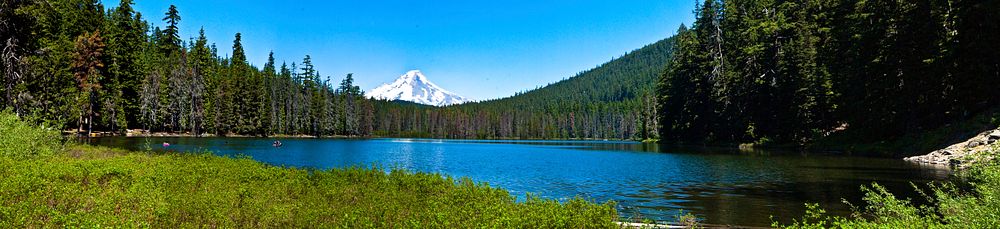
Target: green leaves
{"type": "Point", "coordinates": [24, 141]}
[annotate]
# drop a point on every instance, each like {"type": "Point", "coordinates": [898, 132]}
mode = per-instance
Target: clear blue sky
{"type": "Point", "coordinates": [478, 49]}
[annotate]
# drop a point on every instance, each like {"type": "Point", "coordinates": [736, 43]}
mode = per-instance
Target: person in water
{"type": "Point", "coordinates": [276, 143]}
{"type": "Point", "coordinates": [165, 144]}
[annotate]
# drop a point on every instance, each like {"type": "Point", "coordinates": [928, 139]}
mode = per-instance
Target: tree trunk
{"type": "Point", "coordinates": [90, 124]}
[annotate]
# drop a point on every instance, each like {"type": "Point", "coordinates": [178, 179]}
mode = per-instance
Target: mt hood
{"type": "Point", "coordinates": [414, 87]}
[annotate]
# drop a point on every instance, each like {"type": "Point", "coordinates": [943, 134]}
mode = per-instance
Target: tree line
{"type": "Point", "coordinates": [74, 64]}
{"type": "Point", "coordinates": [792, 71]}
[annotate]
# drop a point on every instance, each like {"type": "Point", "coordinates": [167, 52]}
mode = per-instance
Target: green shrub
{"type": "Point", "coordinates": [976, 205]}
{"type": "Point", "coordinates": [19, 139]}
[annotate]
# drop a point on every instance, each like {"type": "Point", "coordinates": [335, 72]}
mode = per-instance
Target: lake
{"type": "Point", "coordinates": [722, 186]}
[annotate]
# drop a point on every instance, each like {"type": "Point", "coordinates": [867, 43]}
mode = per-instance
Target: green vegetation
{"type": "Point", "coordinates": [792, 72]}
{"type": "Point", "coordinates": [972, 202]}
{"type": "Point", "coordinates": [75, 65]}
{"type": "Point", "coordinates": [889, 74]}
{"type": "Point", "coordinates": [86, 186]}
{"type": "Point", "coordinates": [797, 73]}
{"type": "Point", "coordinates": [895, 77]}
{"type": "Point", "coordinates": [22, 141]}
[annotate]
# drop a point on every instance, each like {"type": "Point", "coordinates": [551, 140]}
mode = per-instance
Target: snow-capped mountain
{"type": "Point", "coordinates": [414, 87]}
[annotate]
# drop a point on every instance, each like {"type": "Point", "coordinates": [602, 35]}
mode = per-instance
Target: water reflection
{"type": "Point", "coordinates": [730, 186]}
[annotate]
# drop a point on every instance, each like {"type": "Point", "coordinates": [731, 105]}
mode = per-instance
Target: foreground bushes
{"type": "Point", "coordinates": [973, 201]}
{"type": "Point", "coordinates": [84, 186]}
{"type": "Point", "coordinates": [20, 140]}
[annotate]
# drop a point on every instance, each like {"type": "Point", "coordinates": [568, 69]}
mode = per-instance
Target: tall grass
{"type": "Point", "coordinates": [86, 186]}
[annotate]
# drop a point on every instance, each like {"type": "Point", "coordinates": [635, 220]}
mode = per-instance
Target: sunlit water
{"type": "Point", "coordinates": [721, 186]}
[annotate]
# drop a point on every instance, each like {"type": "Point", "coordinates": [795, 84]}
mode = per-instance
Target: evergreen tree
{"type": "Point", "coordinates": [86, 69]}
{"type": "Point", "coordinates": [267, 97]}
{"type": "Point", "coordinates": [126, 35]}
{"type": "Point", "coordinates": [170, 39]}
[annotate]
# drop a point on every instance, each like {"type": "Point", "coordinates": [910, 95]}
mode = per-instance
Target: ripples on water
{"type": "Point", "coordinates": [723, 186]}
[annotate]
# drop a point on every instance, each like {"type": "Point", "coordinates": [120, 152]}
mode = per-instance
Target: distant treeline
{"type": "Point", "coordinates": [71, 64]}
{"type": "Point", "coordinates": [794, 71]}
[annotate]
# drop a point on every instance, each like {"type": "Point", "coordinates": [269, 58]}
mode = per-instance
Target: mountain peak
{"type": "Point", "coordinates": [414, 72]}
{"type": "Point", "coordinates": [415, 87]}
{"type": "Point", "coordinates": [414, 76]}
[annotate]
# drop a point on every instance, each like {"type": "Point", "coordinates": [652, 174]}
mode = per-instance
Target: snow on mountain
{"type": "Point", "coordinates": [415, 87]}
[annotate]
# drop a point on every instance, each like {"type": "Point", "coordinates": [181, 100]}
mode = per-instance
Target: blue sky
{"type": "Point", "coordinates": [478, 49]}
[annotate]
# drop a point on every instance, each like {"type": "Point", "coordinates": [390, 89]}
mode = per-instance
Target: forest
{"type": "Point", "coordinates": [772, 71]}
{"type": "Point", "coordinates": [71, 64]}
{"type": "Point", "coordinates": [746, 71]}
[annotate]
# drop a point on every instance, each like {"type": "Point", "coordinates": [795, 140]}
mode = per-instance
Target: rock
{"type": "Point", "coordinates": [973, 144]}
{"type": "Point", "coordinates": [993, 137]}
{"type": "Point", "coordinates": [955, 155]}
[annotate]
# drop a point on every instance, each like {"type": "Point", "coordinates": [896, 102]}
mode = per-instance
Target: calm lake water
{"type": "Point", "coordinates": [722, 186]}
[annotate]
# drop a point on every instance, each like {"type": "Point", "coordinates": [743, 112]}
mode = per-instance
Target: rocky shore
{"type": "Point", "coordinates": [961, 154]}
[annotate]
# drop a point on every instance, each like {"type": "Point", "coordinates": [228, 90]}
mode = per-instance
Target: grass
{"type": "Point", "coordinates": [972, 201]}
{"type": "Point", "coordinates": [46, 183]}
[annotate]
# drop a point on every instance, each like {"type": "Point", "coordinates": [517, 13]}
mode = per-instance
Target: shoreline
{"type": "Point", "coordinates": [956, 155]}
{"type": "Point", "coordinates": [962, 154]}
{"type": "Point", "coordinates": [141, 133]}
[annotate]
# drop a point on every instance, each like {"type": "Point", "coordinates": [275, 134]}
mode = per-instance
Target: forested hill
{"type": "Point", "coordinates": [613, 100]}
{"type": "Point", "coordinates": [628, 77]}
{"type": "Point", "coordinates": [868, 70]}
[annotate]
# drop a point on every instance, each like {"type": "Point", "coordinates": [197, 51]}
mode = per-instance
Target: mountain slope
{"type": "Point", "coordinates": [415, 87]}
{"type": "Point", "coordinates": [612, 101]}
{"type": "Point", "coordinates": [625, 78]}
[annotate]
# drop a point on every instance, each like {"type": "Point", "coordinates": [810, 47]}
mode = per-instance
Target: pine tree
{"type": "Point", "coordinates": [170, 39]}
{"type": "Point", "coordinates": [126, 35]}
{"type": "Point", "coordinates": [350, 93]}
{"type": "Point", "coordinates": [87, 69]}
{"type": "Point", "coordinates": [268, 97]}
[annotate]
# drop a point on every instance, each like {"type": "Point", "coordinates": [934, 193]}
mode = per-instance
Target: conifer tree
{"type": "Point", "coordinates": [87, 69]}
{"type": "Point", "coordinates": [170, 39]}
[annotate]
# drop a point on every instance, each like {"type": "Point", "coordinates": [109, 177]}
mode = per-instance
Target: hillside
{"type": "Point", "coordinates": [625, 78]}
{"type": "Point", "coordinates": [613, 100]}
